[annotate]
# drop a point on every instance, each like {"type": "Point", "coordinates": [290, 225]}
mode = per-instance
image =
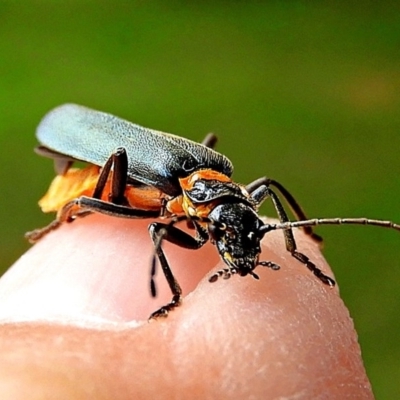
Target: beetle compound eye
{"type": "Point", "coordinates": [251, 236]}
{"type": "Point", "coordinates": [253, 240]}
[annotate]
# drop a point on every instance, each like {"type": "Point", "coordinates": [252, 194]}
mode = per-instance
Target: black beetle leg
{"type": "Point", "coordinates": [210, 140]}
{"type": "Point", "coordinates": [86, 206]}
{"type": "Point", "coordinates": [269, 264]}
{"type": "Point", "coordinates": [292, 202]}
{"type": "Point", "coordinates": [159, 232]}
{"type": "Point", "coordinates": [261, 194]}
{"type": "Point", "coordinates": [89, 204]}
{"type": "Point", "coordinates": [72, 209]}
{"type": "Point", "coordinates": [119, 160]}
{"type": "Point", "coordinates": [225, 273]}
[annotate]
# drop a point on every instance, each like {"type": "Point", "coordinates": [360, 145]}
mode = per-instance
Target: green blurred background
{"type": "Point", "coordinates": [307, 93]}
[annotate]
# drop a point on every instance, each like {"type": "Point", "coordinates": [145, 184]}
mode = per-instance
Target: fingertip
{"type": "Point", "coordinates": [286, 334]}
{"type": "Point", "coordinates": [288, 324]}
{"type": "Point", "coordinates": [97, 268]}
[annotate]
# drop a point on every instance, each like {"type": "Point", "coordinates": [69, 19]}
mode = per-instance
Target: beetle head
{"type": "Point", "coordinates": [235, 230]}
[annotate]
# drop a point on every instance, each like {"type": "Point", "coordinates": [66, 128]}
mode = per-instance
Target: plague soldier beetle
{"type": "Point", "coordinates": [135, 172]}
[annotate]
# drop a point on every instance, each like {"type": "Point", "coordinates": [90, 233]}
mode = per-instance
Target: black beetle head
{"type": "Point", "coordinates": [235, 229]}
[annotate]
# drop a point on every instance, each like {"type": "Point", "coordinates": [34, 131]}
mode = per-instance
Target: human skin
{"type": "Point", "coordinates": [74, 308]}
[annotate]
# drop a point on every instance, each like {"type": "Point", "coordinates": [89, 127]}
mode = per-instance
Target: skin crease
{"type": "Point", "coordinates": [73, 323]}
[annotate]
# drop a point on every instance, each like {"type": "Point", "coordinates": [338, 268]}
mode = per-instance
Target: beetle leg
{"type": "Point", "coordinates": [64, 215]}
{"type": "Point", "coordinates": [269, 264]}
{"type": "Point", "coordinates": [159, 232]}
{"type": "Point", "coordinates": [210, 140]}
{"type": "Point", "coordinates": [262, 193]}
{"type": "Point", "coordinates": [37, 234]}
{"type": "Point", "coordinates": [119, 161]}
{"type": "Point", "coordinates": [62, 163]}
{"type": "Point", "coordinates": [225, 273]}
{"type": "Point", "coordinates": [253, 187]}
{"type": "Point", "coordinates": [73, 209]}
{"type": "Point", "coordinates": [90, 204]}
{"type": "Point", "coordinates": [83, 206]}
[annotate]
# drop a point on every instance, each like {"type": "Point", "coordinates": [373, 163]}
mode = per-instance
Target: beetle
{"type": "Point", "coordinates": [136, 172]}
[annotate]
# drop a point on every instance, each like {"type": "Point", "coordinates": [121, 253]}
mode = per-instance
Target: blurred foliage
{"type": "Point", "coordinates": [305, 92]}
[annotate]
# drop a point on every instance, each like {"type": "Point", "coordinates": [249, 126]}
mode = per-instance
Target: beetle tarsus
{"type": "Point", "coordinates": [270, 264]}
{"type": "Point", "coordinates": [313, 268]}
{"type": "Point", "coordinates": [224, 273]}
{"type": "Point", "coordinates": [35, 235]}
{"type": "Point", "coordinates": [213, 278]}
{"type": "Point", "coordinates": [165, 310]}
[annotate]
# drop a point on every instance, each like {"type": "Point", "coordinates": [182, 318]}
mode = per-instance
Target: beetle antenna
{"type": "Point", "coordinates": [329, 221]}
